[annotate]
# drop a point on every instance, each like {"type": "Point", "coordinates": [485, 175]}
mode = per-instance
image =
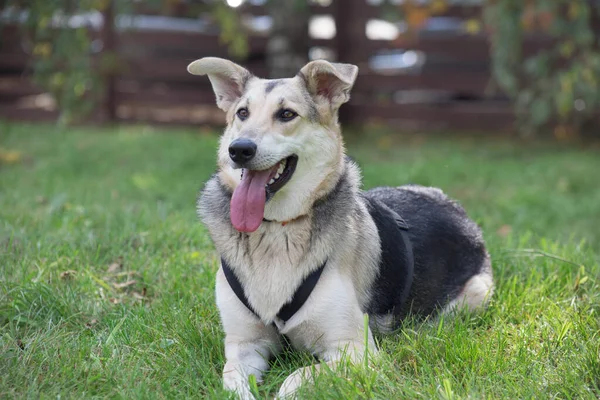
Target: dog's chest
{"type": "Point", "coordinates": [270, 263]}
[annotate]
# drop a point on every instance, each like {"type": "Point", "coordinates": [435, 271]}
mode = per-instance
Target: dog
{"type": "Point", "coordinates": [304, 252]}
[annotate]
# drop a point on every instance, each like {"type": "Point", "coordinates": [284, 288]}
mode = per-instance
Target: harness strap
{"type": "Point", "coordinates": [410, 265]}
{"type": "Point", "coordinates": [288, 310]}
{"type": "Point", "coordinates": [235, 285]}
{"type": "Point", "coordinates": [397, 263]}
{"type": "Point", "coordinates": [302, 294]}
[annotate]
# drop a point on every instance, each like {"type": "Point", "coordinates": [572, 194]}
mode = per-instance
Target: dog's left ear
{"type": "Point", "coordinates": [227, 78]}
{"type": "Point", "coordinates": [331, 81]}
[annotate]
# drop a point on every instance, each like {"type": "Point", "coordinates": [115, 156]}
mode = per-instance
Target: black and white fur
{"type": "Point", "coordinates": [328, 218]}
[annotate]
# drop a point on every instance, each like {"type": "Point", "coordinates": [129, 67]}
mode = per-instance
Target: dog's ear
{"type": "Point", "coordinates": [227, 78]}
{"type": "Point", "coordinates": [332, 81]}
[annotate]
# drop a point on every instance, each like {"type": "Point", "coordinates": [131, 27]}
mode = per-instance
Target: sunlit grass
{"type": "Point", "coordinates": [106, 276]}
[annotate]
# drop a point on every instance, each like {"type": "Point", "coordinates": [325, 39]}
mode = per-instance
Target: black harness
{"type": "Point", "coordinates": [308, 284]}
{"type": "Point", "coordinates": [396, 264]}
{"type": "Point", "coordinates": [287, 310]}
{"type": "Point", "coordinates": [410, 267]}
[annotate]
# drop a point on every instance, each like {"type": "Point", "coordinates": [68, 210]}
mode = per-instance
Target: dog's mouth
{"type": "Point", "coordinates": [247, 206]}
{"type": "Point", "coordinates": [283, 174]}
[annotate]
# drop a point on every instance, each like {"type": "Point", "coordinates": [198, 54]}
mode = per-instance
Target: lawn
{"type": "Point", "coordinates": [106, 275]}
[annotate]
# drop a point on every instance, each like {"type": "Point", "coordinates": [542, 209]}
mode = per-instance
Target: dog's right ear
{"type": "Point", "coordinates": [331, 81]}
{"type": "Point", "coordinates": [227, 78]}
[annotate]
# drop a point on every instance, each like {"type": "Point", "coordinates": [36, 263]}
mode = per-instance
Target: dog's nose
{"type": "Point", "coordinates": [242, 150]}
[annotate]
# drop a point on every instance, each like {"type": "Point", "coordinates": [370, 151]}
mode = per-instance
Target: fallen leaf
{"type": "Point", "coordinates": [128, 274]}
{"type": "Point", "coordinates": [114, 300]}
{"type": "Point", "coordinates": [9, 156]}
{"type": "Point", "coordinates": [504, 230]}
{"type": "Point", "coordinates": [115, 266]}
{"type": "Point", "coordinates": [41, 200]}
{"type": "Point", "coordinates": [139, 296]}
{"type": "Point", "coordinates": [124, 284]}
{"type": "Point", "coordinates": [68, 274]}
{"type": "Point", "coordinates": [91, 323]}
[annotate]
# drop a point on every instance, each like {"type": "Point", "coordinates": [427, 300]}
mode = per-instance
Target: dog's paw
{"type": "Point", "coordinates": [242, 393]}
{"type": "Point", "coordinates": [291, 384]}
{"type": "Point", "coordinates": [296, 379]}
{"type": "Point", "coordinates": [239, 386]}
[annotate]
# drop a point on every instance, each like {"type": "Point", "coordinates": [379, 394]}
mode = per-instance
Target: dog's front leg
{"type": "Point", "coordinates": [244, 358]}
{"type": "Point", "coordinates": [353, 351]}
{"type": "Point", "coordinates": [249, 343]}
{"type": "Point", "coordinates": [333, 331]}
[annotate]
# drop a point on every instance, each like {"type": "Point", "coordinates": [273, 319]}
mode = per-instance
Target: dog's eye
{"type": "Point", "coordinates": [286, 115]}
{"type": "Point", "coordinates": [243, 113]}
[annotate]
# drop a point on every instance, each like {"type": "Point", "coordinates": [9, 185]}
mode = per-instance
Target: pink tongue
{"type": "Point", "coordinates": [248, 201]}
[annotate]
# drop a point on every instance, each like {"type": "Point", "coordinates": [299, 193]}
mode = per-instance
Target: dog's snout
{"type": "Point", "coordinates": [242, 150]}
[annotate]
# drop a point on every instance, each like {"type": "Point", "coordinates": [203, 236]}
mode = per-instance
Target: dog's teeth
{"type": "Point", "coordinates": [277, 175]}
{"type": "Point", "coordinates": [281, 168]}
{"type": "Point", "coordinates": [272, 181]}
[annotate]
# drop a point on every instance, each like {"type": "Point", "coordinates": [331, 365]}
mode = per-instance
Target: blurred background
{"type": "Point", "coordinates": [508, 66]}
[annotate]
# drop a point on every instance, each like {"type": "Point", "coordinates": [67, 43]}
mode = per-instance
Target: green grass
{"type": "Point", "coordinates": [73, 203]}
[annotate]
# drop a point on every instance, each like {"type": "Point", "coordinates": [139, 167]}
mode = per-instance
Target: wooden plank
{"type": "Point", "coordinates": [10, 39]}
{"type": "Point", "coordinates": [456, 11]}
{"type": "Point", "coordinates": [158, 93]}
{"type": "Point", "coordinates": [462, 12]}
{"type": "Point", "coordinates": [170, 70]}
{"type": "Point", "coordinates": [194, 44]}
{"type": "Point", "coordinates": [13, 87]}
{"type": "Point", "coordinates": [467, 48]}
{"type": "Point", "coordinates": [14, 61]}
{"type": "Point", "coordinates": [171, 115]}
{"type": "Point", "coordinates": [460, 116]}
{"type": "Point", "coordinates": [183, 10]}
{"type": "Point", "coordinates": [454, 81]}
{"type": "Point", "coordinates": [12, 113]}
{"type": "Point", "coordinates": [160, 70]}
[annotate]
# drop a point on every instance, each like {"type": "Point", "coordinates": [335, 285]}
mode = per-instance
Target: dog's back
{"type": "Point", "coordinates": [448, 247]}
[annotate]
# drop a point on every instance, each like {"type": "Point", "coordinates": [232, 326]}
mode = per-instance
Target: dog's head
{"type": "Point", "coordinates": [282, 147]}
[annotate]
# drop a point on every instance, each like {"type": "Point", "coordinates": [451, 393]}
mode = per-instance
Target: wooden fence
{"type": "Point", "coordinates": [452, 89]}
